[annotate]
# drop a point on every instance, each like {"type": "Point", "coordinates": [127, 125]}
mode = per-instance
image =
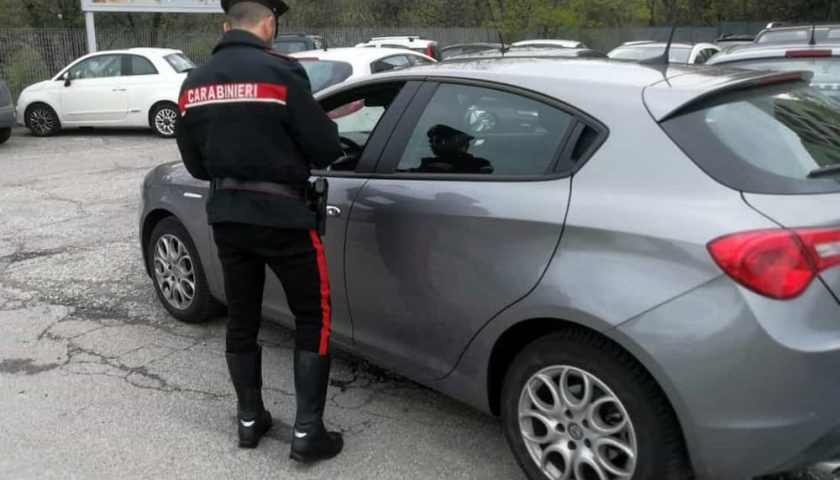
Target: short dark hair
{"type": "Point", "coordinates": [247, 14]}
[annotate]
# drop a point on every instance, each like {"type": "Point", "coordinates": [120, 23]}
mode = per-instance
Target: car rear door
{"type": "Point", "coordinates": [142, 80]}
{"type": "Point", "coordinates": [365, 116]}
{"type": "Point", "coordinates": [460, 222]}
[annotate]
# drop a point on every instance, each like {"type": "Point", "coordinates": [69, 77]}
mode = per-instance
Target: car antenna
{"type": "Point", "coordinates": [813, 40]}
{"type": "Point", "coordinates": [665, 58]}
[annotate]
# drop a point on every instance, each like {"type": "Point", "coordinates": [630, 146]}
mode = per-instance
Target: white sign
{"type": "Point", "coordinates": [172, 6]}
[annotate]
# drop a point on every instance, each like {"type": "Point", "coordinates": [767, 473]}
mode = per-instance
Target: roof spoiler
{"type": "Point", "coordinates": [668, 108]}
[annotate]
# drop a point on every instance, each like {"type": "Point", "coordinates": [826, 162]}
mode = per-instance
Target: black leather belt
{"type": "Point", "coordinates": [271, 188]}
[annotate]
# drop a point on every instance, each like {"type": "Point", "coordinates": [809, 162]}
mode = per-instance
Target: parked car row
{"type": "Point", "coordinates": [139, 87]}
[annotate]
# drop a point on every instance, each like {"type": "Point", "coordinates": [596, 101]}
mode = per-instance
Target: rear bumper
{"type": "Point", "coordinates": [7, 116]}
{"type": "Point", "coordinates": [753, 381]}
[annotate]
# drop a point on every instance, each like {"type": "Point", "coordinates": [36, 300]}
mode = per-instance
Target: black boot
{"type": "Point", "coordinates": [311, 441]}
{"type": "Point", "coordinates": [252, 417]}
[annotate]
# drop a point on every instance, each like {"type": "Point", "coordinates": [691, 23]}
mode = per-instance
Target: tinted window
{"type": "Point", "coordinates": [179, 62]}
{"type": "Point", "coordinates": [391, 63]}
{"type": "Point", "coordinates": [771, 140]}
{"type": "Point", "coordinates": [142, 66]}
{"type": "Point", "coordinates": [677, 54]}
{"type": "Point", "coordinates": [826, 70]}
{"type": "Point", "coordinates": [705, 55]}
{"type": "Point", "coordinates": [472, 130]}
{"type": "Point", "coordinates": [326, 73]}
{"type": "Point", "coordinates": [102, 66]}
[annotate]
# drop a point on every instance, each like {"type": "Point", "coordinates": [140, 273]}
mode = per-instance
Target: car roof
{"type": "Point", "coordinates": [558, 42]}
{"type": "Point", "coordinates": [757, 51]}
{"type": "Point", "coordinates": [152, 51]}
{"type": "Point", "coordinates": [798, 28]}
{"type": "Point", "coordinates": [533, 52]}
{"type": "Point", "coordinates": [359, 54]}
{"type": "Point", "coordinates": [666, 89]}
{"type": "Point", "coordinates": [653, 44]}
{"type": "Point", "coordinates": [471, 44]}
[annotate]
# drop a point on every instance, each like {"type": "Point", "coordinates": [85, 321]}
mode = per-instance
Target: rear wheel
{"type": "Point", "coordinates": [5, 134]}
{"type": "Point", "coordinates": [577, 407]}
{"type": "Point", "coordinates": [163, 118]}
{"type": "Point", "coordinates": [178, 276]}
{"type": "Point", "coordinates": [42, 120]}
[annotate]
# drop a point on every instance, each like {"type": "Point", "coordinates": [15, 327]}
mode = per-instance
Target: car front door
{"type": "Point", "coordinates": [366, 117]}
{"type": "Point", "coordinates": [96, 92]}
{"type": "Point", "coordinates": [460, 222]}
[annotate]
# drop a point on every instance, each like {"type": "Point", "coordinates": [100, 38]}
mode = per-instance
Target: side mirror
{"type": "Point", "coordinates": [67, 81]}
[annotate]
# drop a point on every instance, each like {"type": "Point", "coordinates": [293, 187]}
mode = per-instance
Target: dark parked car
{"type": "Point", "coordinates": [289, 43]}
{"type": "Point", "coordinates": [637, 268]}
{"type": "Point", "coordinates": [7, 112]}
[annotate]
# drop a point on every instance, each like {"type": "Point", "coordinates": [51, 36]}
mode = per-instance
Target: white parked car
{"type": "Point", "coordinates": [550, 43]}
{"type": "Point", "coordinates": [126, 88]}
{"type": "Point", "coordinates": [331, 67]}
{"type": "Point", "coordinates": [412, 42]}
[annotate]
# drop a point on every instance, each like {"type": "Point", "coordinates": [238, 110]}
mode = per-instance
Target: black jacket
{"type": "Point", "coordinates": [249, 114]}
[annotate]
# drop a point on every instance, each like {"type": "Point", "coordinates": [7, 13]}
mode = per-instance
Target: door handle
{"type": "Point", "coordinates": [333, 211]}
{"type": "Point", "coordinates": [119, 89]}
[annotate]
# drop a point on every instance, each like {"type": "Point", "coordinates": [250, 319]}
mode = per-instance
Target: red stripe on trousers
{"type": "Point", "coordinates": [325, 292]}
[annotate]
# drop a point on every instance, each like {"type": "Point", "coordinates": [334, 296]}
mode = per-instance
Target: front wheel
{"type": "Point", "coordinates": [577, 407]}
{"type": "Point", "coordinates": [163, 118]}
{"type": "Point", "coordinates": [42, 120]}
{"type": "Point", "coordinates": [178, 275]}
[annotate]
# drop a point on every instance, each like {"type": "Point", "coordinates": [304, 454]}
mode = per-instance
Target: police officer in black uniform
{"type": "Point", "coordinates": [250, 125]}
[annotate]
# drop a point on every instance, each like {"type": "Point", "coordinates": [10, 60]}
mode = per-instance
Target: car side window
{"type": "Point", "coordinates": [705, 55]}
{"type": "Point", "coordinates": [101, 66]}
{"type": "Point", "coordinates": [475, 130]}
{"type": "Point", "coordinates": [141, 66]}
{"type": "Point", "coordinates": [357, 115]}
{"type": "Point", "coordinates": [395, 62]}
{"type": "Point", "coordinates": [420, 60]}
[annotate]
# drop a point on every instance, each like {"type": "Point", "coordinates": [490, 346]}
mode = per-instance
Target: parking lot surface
{"type": "Point", "coordinates": [97, 381]}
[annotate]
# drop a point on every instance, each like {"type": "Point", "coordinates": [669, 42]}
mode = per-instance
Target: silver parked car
{"type": "Point", "coordinates": [7, 112]}
{"type": "Point", "coordinates": [635, 268]}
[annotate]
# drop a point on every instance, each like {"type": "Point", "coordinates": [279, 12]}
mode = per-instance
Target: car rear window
{"type": "Point", "coordinates": [179, 62]}
{"type": "Point", "coordinates": [826, 70]}
{"type": "Point", "coordinates": [326, 73]}
{"type": "Point", "coordinates": [782, 139]}
{"type": "Point", "coordinates": [676, 55]}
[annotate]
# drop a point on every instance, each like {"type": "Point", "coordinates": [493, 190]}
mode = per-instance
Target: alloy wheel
{"type": "Point", "coordinates": [165, 120]}
{"type": "Point", "coordinates": [41, 121]}
{"type": "Point", "coordinates": [575, 428]}
{"type": "Point", "coordinates": [174, 272]}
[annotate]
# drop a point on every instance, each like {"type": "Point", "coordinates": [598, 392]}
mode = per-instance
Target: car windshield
{"type": "Point", "coordinates": [179, 62]}
{"type": "Point", "coordinates": [785, 138]}
{"type": "Point", "coordinates": [826, 71]}
{"type": "Point", "coordinates": [326, 73]}
{"type": "Point", "coordinates": [677, 54]}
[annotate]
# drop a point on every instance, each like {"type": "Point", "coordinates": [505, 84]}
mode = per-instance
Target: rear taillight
{"type": "Point", "coordinates": [811, 53]}
{"type": "Point", "coordinates": [430, 50]}
{"type": "Point", "coordinates": [777, 263]}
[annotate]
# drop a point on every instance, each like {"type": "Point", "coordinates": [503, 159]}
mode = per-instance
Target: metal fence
{"type": "Point", "coordinates": [28, 56]}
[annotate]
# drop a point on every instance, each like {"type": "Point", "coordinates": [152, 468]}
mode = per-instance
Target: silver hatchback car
{"type": "Point", "coordinates": [634, 267]}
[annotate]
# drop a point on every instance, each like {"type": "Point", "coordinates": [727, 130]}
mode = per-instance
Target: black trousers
{"type": "Point", "coordinates": [297, 258]}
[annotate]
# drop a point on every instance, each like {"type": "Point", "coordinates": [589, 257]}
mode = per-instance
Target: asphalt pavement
{"type": "Point", "coordinates": [97, 381]}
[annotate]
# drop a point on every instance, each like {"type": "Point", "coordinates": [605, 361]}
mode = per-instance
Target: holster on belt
{"type": "Point", "coordinates": [316, 197]}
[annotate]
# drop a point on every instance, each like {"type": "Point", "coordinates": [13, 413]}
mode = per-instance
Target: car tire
{"type": "Point", "coordinates": [5, 135]}
{"type": "Point", "coordinates": [42, 120]}
{"type": "Point", "coordinates": [626, 413]}
{"type": "Point", "coordinates": [162, 119]}
{"type": "Point", "coordinates": [177, 274]}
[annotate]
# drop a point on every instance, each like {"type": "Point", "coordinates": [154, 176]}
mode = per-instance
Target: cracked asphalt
{"type": "Point", "coordinates": [97, 381]}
